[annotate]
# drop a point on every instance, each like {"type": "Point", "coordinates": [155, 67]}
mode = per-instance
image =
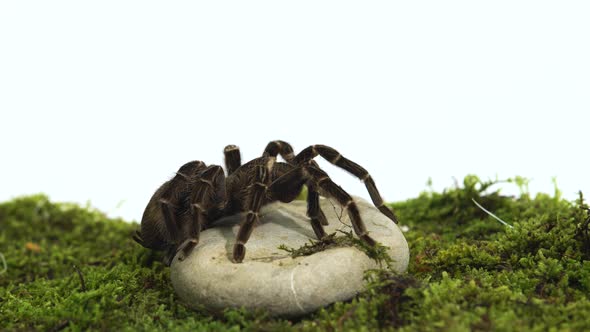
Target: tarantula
{"type": "Point", "coordinates": [198, 195]}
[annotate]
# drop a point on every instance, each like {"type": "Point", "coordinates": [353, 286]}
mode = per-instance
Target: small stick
{"type": "Point", "coordinates": [81, 277]}
{"type": "Point", "coordinates": [62, 325]}
{"type": "Point", "coordinates": [336, 212]}
{"type": "Point", "coordinates": [5, 267]}
{"type": "Point", "coordinates": [491, 214]}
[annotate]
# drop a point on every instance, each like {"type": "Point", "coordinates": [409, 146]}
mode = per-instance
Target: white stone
{"type": "Point", "coordinates": [268, 278]}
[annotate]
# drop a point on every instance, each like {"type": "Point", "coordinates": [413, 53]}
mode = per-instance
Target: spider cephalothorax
{"type": "Point", "coordinates": [199, 195]}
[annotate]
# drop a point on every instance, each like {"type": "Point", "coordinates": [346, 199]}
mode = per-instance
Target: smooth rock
{"type": "Point", "coordinates": [268, 278]}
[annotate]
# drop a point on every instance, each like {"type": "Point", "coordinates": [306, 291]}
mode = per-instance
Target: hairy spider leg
{"type": "Point", "coordinates": [283, 148]}
{"type": "Point", "coordinates": [344, 199]}
{"type": "Point", "coordinates": [335, 158]}
{"type": "Point", "coordinates": [314, 212]}
{"type": "Point", "coordinates": [288, 186]}
{"type": "Point", "coordinates": [169, 219]}
{"type": "Point", "coordinates": [137, 238]}
{"type": "Point", "coordinates": [171, 226]}
{"type": "Point", "coordinates": [170, 200]}
{"type": "Point", "coordinates": [209, 183]}
{"type": "Point", "coordinates": [313, 198]}
{"type": "Point", "coordinates": [233, 159]}
{"type": "Point", "coordinates": [256, 196]}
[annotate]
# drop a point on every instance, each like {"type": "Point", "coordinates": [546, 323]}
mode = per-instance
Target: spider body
{"type": "Point", "coordinates": [198, 195]}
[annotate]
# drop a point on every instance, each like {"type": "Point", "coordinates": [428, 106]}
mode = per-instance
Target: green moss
{"type": "Point", "coordinates": [377, 252]}
{"type": "Point", "coordinates": [72, 268]}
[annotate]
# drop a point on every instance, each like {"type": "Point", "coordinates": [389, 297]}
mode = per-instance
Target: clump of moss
{"type": "Point", "coordinates": [583, 228]}
{"type": "Point", "coordinates": [377, 252]}
{"type": "Point", "coordinates": [72, 268]}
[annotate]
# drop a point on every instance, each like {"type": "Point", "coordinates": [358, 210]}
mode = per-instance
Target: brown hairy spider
{"type": "Point", "coordinates": [199, 195]}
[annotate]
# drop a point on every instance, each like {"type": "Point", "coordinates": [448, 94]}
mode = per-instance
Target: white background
{"type": "Point", "coordinates": [103, 101]}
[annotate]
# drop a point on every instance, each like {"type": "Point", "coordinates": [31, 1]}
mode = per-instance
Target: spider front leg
{"type": "Point", "coordinates": [256, 197]}
{"type": "Point", "coordinates": [283, 148]}
{"type": "Point", "coordinates": [288, 186]}
{"type": "Point", "coordinates": [335, 158]}
{"type": "Point", "coordinates": [314, 212]}
{"type": "Point", "coordinates": [323, 181]}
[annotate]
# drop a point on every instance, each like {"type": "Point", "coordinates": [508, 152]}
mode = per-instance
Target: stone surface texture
{"type": "Point", "coordinates": [268, 278]}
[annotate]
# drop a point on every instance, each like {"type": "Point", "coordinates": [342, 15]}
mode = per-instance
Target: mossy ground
{"type": "Point", "coordinates": [72, 268]}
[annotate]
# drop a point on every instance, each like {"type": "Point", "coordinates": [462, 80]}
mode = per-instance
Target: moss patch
{"type": "Point", "coordinates": [72, 268]}
{"type": "Point", "coordinates": [347, 239]}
